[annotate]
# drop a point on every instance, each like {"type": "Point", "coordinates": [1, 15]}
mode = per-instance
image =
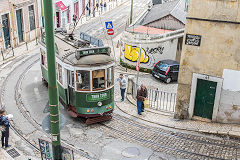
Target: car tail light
{"type": "Point", "coordinates": [167, 71]}
{"type": "Point", "coordinates": [92, 110]}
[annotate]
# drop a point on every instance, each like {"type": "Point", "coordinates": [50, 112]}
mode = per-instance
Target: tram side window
{"type": "Point", "coordinates": [59, 73]}
{"type": "Point", "coordinates": [98, 79]}
{"type": "Point", "coordinates": [110, 77]}
{"type": "Point", "coordinates": [82, 80]}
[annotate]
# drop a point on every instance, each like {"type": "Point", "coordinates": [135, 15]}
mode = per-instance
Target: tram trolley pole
{"type": "Point", "coordinates": [52, 84]}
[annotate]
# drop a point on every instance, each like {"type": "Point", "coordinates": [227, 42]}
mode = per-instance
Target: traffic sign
{"type": "Point", "coordinates": [109, 25]}
{"type": "Point", "coordinates": [110, 32]}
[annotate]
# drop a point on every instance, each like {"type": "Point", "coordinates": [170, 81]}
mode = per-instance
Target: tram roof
{"type": "Point", "coordinates": [67, 51]}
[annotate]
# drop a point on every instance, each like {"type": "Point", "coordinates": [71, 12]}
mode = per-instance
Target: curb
{"type": "Point", "coordinates": [218, 133]}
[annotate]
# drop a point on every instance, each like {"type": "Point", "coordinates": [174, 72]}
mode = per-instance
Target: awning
{"type": "Point", "coordinates": [61, 6]}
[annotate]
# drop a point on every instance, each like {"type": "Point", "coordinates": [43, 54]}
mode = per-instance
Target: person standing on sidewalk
{"type": "Point", "coordinates": [105, 6]}
{"type": "Point", "coordinates": [142, 95]}
{"type": "Point", "coordinates": [5, 133]}
{"type": "Point", "coordinates": [123, 84]}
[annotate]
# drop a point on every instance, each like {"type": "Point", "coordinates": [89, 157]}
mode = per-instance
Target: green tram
{"type": "Point", "coordinates": [85, 78]}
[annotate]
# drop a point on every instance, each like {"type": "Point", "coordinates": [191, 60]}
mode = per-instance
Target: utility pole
{"type": "Point", "coordinates": [138, 65]}
{"type": "Point", "coordinates": [52, 83]}
{"type": "Point", "coordinates": [131, 14]}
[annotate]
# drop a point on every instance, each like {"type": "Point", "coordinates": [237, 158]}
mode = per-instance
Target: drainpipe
{"type": "Point", "coordinates": [52, 83]}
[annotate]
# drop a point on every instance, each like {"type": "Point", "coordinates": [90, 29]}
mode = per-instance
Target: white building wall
{"type": "Point", "coordinates": [152, 49]}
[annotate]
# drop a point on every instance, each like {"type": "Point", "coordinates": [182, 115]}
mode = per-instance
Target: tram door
{"type": "Point", "coordinates": [71, 86]}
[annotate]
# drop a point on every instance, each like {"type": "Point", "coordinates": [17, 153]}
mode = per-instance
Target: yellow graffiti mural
{"type": "Point", "coordinates": [131, 53]}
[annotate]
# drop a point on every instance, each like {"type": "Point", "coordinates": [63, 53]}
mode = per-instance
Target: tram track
{"type": "Point", "coordinates": [125, 128]}
{"type": "Point", "coordinates": [27, 116]}
{"type": "Point", "coordinates": [187, 145]}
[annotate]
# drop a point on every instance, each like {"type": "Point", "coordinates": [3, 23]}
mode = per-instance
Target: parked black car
{"type": "Point", "coordinates": [166, 70]}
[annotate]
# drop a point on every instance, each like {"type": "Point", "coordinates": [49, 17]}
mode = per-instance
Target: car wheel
{"type": "Point", "coordinates": [168, 80]}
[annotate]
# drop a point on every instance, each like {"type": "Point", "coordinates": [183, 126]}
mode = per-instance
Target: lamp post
{"type": "Point", "coordinates": [52, 83]}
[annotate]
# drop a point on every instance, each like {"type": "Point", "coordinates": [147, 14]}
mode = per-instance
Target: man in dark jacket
{"type": "Point", "coordinates": [4, 122]}
{"type": "Point", "coordinates": [142, 95]}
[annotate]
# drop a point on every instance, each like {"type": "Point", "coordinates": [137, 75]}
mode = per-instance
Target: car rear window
{"type": "Point", "coordinates": [162, 66]}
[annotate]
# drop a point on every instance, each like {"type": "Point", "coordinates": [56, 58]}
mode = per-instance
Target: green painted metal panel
{"type": "Point", "coordinates": [96, 109]}
{"type": "Point", "coordinates": [44, 73]}
{"type": "Point", "coordinates": [205, 97]}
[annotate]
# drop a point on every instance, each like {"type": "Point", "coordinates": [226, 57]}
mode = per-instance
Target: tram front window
{"type": "Point", "coordinates": [98, 79]}
{"type": "Point", "coordinates": [82, 80]}
{"type": "Point", "coordinates": [110, 77]}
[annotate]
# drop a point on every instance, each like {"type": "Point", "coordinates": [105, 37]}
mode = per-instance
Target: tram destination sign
{"type": "Point", "coordinates": [92, 51]}
{"type": "Point", "coordinates": [98, 96]}
{"type": "Point", "coordinates": [194, 40]}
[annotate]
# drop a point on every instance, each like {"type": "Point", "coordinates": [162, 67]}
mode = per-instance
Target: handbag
{"type": "Point", "coordinates": [2, 128]}
{"type": "Point", "coordinates": [146, 103]}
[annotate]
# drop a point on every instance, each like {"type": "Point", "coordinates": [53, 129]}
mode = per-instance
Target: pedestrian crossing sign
{"type": "Point", "coordinates": [109, 25]}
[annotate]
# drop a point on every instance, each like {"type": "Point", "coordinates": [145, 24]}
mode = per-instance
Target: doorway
{"type": "Point", "coordinates": [205, 96]}
{"type": "Point", "coordinates": [76, 9]}
{"type": "Point", "coordinates": [19, 25]}
{"type": "Point", "coordinates": [5, 26]}
{"type": "Point", "coordinates": [58, 19]}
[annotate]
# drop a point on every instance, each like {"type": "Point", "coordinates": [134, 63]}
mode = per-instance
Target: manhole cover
{"type": "Point", "coordinates": [131, 152]}
{"type": "Point", "coordinates": [13, 153]}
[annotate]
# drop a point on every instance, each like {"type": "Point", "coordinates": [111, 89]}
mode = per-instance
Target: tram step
{"type": "Point", "coordinates": [98, 119]}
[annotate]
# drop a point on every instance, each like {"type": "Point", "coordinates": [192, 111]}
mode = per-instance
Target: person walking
{"type": "Point", "coordinates": [101, 5]}
{"type": "Point", "coordinates": [123, 84]}
{"type": "Point", "coordinates": [97, 5]}
{"type": "Point", "coordinates": [74, 19]}
{"type": "Point", "coordinates": [142, 95]}
{"type": "Point", "coordinates": [5, 133]}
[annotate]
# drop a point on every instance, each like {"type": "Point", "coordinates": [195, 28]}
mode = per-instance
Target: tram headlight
{"type": "Point", "coordinates": [99, 104]}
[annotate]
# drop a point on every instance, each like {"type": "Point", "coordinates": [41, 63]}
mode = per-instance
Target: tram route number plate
{"type": "Point", "coordinates": [98, 96]}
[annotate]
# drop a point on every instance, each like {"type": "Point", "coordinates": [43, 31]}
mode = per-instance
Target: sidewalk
{"type": "Point", "coordinates": [162, 119]}
{"type": "Point", "coordinates": [110, 6]}
{"type": "Point", "coordinates": [18, 51]}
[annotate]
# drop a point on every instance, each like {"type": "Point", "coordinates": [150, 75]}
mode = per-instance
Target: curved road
{"type": "Point", "coordinates": [26, 97]}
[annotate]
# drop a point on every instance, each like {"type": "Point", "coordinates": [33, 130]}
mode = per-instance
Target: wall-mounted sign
{"type": "Point", "coordinates": [194, 40]}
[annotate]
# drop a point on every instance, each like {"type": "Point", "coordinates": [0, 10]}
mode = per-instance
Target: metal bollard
{"type": "Point", "coordinates": [2, 53]}
{"type": "Point", "coordinates": [26, 46]}
{"type": "Point", "coordinates": [12, 51]}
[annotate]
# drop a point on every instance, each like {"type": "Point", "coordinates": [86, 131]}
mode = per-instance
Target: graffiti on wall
{"type": "Point", "coordinates": [157, 50]}
{"type": "Point", "coordinates": [147, 57]}
{"type": "Point", "coordinates": [132, 53]}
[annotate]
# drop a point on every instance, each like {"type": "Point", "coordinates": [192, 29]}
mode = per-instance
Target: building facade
{"type": "Point", "coordinates": [209, 76]}
{"type": "Point", "coordinates": [64, 10]}
{"type": "Point", "coordinates": [19, 22]}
